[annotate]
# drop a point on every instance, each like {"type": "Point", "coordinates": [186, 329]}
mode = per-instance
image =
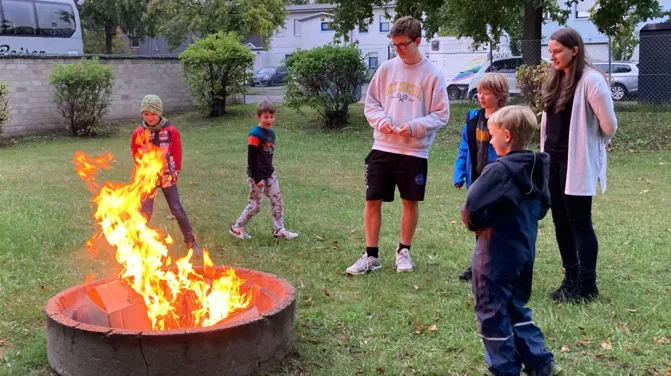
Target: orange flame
{"type": "Point", "coordinates": [176, 296]}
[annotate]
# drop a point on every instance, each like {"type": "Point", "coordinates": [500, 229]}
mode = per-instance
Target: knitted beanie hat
{"type": "Point", "coordinates": [152, 103]}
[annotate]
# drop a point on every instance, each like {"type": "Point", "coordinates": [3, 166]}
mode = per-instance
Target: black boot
{"type": "Point", "coordinates": [568, 291]}
{"type": "Point", "coordinates": [550, 369]}
{"type": "Point", "coordinates": [587, 290]}
{"type": "Point", "coordinates": [467, 275]}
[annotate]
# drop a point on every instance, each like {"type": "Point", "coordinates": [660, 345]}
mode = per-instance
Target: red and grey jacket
{"type": "Point", "coordinates": [165, 136]}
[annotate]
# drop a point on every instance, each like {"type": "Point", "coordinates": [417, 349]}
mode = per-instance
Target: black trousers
{"type": "Point", "coordinates": [572, 217]}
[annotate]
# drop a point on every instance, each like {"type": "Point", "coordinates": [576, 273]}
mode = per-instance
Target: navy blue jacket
{"type": "Point", "coordinates": [506, 202]}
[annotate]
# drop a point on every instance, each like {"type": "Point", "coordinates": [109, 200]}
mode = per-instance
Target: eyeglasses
{"type": "Point", "coordinates": [401, 46]}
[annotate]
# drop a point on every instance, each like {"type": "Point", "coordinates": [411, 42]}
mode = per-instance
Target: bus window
{"type": "Point", "coordinates": [18, 18]}
{"type": "Point", "coordinates": [57, 20]}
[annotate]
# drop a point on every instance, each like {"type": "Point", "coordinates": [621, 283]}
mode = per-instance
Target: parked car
{"type": "Point", "coordinates": [269, 76]}
{"type": "Point", "coordinates": [623, 79]}
{"type": "Point", "coordinates": [506, 66]}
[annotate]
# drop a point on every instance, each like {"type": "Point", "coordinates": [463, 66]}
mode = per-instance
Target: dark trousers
{"type": "Point", "coordinates": [502, 287]}
{"type": "Point", "coordinates": [572, 217]}
{"type": "Point", "coordinates": [172, 197]}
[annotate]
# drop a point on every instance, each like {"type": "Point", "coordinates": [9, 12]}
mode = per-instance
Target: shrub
{"type": "Point", "coordinates": [4, 106]}
{"type": "Point", "coordinates": [530, 80]}
{"type": "Point", "coordinates": [83, 94]}
{"type": "Point", "coordinates": [326, 78]}
{"type": "Point", "coordinates": [215, 68]}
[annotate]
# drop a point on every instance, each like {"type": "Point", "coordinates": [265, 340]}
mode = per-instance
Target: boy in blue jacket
{"type": "Point", "coordinates": [475, 151]}
{"type": "Point", "coordinates": [503, 207]}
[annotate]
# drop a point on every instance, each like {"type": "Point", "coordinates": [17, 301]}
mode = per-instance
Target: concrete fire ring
{"type": "Point", "coordinates": [241, 345]}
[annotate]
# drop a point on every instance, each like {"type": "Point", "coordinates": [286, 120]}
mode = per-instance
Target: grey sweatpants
{"type": "Point", "coordinates": [270, 189]}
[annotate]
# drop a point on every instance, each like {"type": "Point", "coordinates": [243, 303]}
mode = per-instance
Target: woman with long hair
{"type": "Point", "coordinates": [578, 122]}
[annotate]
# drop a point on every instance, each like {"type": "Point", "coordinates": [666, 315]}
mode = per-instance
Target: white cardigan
{"type": "Point", "coordinates": [593, 124]}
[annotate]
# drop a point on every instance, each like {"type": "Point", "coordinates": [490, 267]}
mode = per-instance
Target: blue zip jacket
{"type": "Point", "coordinates": [465, 165]}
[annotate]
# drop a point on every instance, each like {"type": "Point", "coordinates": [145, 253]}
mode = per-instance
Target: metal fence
{"type": "Point", "coordinates": [638, 73]}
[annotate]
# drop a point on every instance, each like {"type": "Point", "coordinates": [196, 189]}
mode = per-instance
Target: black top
{"type": "Point", "coordinates": [482, 138]}
{"type": "Point", "coordinates": [260, 150]}
{"type": "Point", "coordinates": [557, 128]}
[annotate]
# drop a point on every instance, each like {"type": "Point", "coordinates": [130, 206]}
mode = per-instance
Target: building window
{"type": "Point", "coordinates": [297, 28]}
{"type": "Point", "coordinates": [363, 28]}
{"type": "Point", "coordinates": [326, 26]}
{"type": "Point", "coordinates": [373, 62]}
{"type": "Point", "coordinates": [582, 9]}
{"type": "Point", "coordinates": [134, 42]}
{"type": "Point", "coordinates": [384, 25]}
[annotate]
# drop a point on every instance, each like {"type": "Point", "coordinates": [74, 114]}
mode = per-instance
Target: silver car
{"type": "Point", "coordinates": [623, 79]}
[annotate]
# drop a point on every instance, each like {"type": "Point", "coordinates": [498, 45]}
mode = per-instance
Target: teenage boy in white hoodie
{"type": "Point", "coordinates": [406, 104]}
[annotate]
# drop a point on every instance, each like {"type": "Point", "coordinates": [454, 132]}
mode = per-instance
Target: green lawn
{"type": "Point", "coordinates": [373, 324]}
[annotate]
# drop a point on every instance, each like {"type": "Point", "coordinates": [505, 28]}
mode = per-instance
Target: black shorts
{"type": "Point", "coordinates": [384, 171]}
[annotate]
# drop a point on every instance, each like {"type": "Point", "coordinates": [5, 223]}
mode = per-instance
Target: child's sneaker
{"type": "Point", "coordinates": [283, 233]}
{"type": "Point", "coordinates": [239, 232]}
{"type": "Point", "coordinates": [364, 265]}
{"type": "Point", "coordinates": [550, 369]}
{"type": "Point", "coordinates": [197, 251]}
{"type": "Point", "coordinates": [403, 261]}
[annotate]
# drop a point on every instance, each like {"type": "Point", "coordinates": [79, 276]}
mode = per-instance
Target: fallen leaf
{"type": "Point", "coordinates": [357, 294]}
{"type": "Point", "coordinates": [452, 222]}
{"type": "Point", "coordinates": [662, 341]}
{"type": "Point", "coordinates": [644, 191]}
{"type": "Point", "coordinates": [302, 285]}
{"type": "Point", "coordinates": [565, 349]}
{"type": "Point", "coordinates": [380, 370]}
{"type": "Point", "coordinates": [584, 340]}
{"type": "Point", "coordinates": [668, 372]}
{"type": "Point", "coordinates": [2, 342]}
{"type": "Point", "coordinates": [661, 163]}
{"type": "Point", "coordinates": [296, 270]}
{"type": "Point", "coordinates": [599, 356]}
{"type": "Point", "coordinates": [308, 300]}
{"type": "Point", "coordinates": [468, 302]}
{"type": "Point", "coordinates": [433, 328]}
{"type": "Point", "coordinates": [415, 287]}
{"type": "Point", "coordinates": [320, 238]}
{"type": "Point", "coordinates": [653, 372]}
{"type": "Point", "coordinates": [371, 316]}
{"type": "Point", "coordinates": [606, 346]}
{"type": "Point", "coordinates": [327, 293]}
{"type": "Point", "coordinates": [623, 327]}
{"type": "Point", "coordinates": [219, 248]}
{"type": "Point", "coordinates": [632, 311]}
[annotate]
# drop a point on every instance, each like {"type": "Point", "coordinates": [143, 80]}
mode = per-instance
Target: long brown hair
{"type": "Point", "coordinates": [559, 87]}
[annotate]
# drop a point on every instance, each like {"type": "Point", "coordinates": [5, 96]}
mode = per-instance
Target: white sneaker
{"type": "Point", "coordinates": [364, 265]}
{"type": "Point", "coordinates": [239, 232]}
{"type": "Point", "coordinates": [283, 233]}
{"type": "Point", "coordinates": [403, 261]}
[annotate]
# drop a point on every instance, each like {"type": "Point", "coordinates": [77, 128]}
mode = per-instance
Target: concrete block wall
{"type": "Point", "coordinates": [32, 109]}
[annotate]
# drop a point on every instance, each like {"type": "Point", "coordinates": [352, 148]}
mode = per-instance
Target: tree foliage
{"type": "Point", "coordinates": [489, 20]}
{"type": "Point", "coordinates": [326, 78]}
{"type": "Point", "coordinates": [176, 19]}
{"type": "Point", "coordinates": [4, 105]}
{"type": "Point", "coordinates": [215, 68]}
{"type": "Point", "coordinates": [104, 16]}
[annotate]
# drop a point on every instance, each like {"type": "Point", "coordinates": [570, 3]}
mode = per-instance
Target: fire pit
{"type": "Point", "coordinates": [241, 344]}
{"type": "Point", "coordinates": [162, 316]}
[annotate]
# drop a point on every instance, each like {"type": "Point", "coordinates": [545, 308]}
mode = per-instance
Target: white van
{"type": "Point", "coordinates": [40, 27]}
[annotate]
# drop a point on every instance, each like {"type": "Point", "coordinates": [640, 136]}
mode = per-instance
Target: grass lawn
{"type": "Point", "coordinates": [382, 323]}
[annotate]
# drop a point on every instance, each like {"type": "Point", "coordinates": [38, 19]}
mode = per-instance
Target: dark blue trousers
{"type": "Point", "coordinates": [502, 287]}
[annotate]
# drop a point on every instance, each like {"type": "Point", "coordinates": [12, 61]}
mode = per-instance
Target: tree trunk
{"type": "Point", "coordinates": [218, 107]}
{"type": "Point", "coordinates": [108, 39]}
{"type": "Point", "coordinates": [531, 37]}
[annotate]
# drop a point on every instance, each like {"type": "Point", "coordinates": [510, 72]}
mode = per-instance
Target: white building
{"type": "Point", "coordinates": [307, 26]}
